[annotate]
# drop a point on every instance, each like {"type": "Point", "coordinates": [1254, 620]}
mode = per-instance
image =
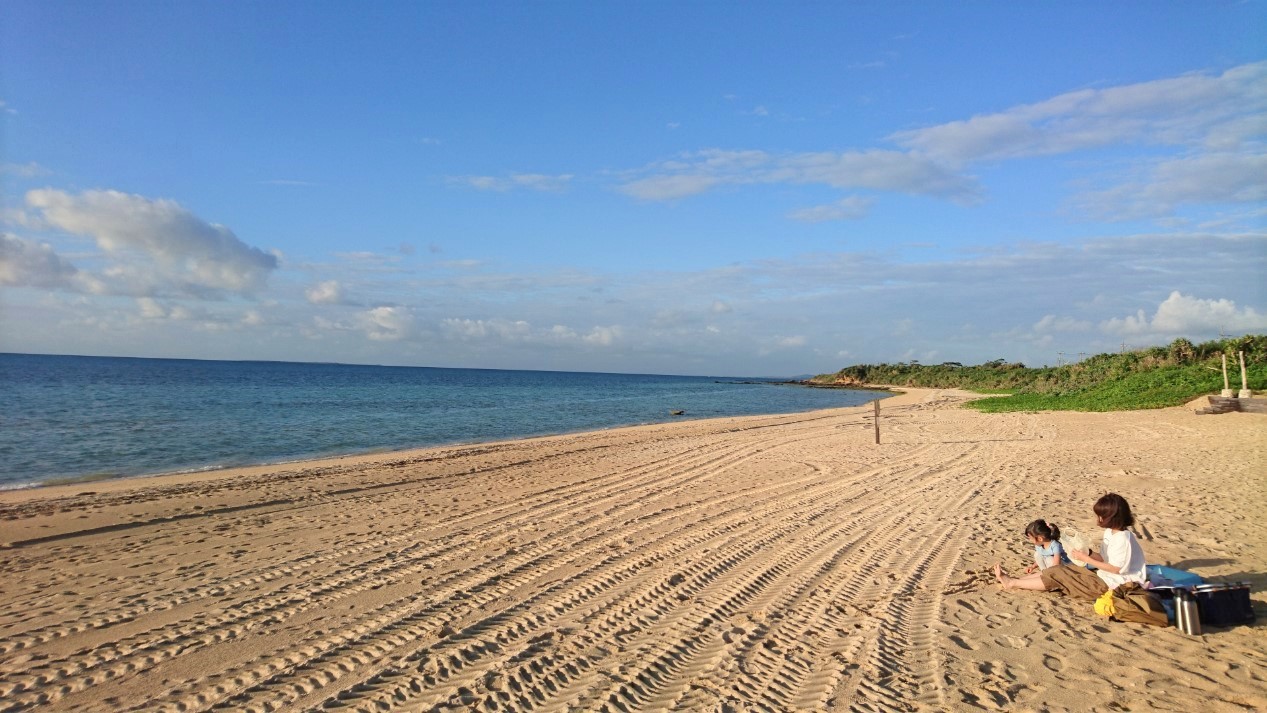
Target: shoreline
{"type": "Point", "coordinates": [681, 565]}
{"type": "Point", "coordinates": [358, 459]}
{"type": "Point", "coordinates": [209, 468]}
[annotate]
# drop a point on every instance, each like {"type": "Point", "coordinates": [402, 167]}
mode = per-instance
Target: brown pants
{"type": "Point", "coordinates": [1075, 580]}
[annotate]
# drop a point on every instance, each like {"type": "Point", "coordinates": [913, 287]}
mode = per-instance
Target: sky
{"type": "Point", "coordinates": [714, 188]}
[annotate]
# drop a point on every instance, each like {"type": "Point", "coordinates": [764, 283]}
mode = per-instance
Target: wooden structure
{"type": "Point", "coordinates": [1225, 404]}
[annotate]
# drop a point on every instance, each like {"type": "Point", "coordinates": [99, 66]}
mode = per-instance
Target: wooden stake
{"type": "Point", "coordinates": [1244, 376]}
{"type": "Point", "coordinates": [877, 421]}
{"type": "Point", "coordinates": [1225, 386]}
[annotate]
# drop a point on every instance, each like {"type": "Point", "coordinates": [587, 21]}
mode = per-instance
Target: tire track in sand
{"type": "Point", "coordinates": [456, 662]}
{"type": "Point", "coordinates": [711, 467]}
{"type": "Point", "coordinates": [542, 692]}
{"type": "Point", "coordinates": [795, 590]}
{"type": "Point", "coordinates": [153, 646]}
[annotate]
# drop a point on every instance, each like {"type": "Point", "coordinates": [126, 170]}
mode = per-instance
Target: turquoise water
{"type": "Point", "coordinates": [87, 417]}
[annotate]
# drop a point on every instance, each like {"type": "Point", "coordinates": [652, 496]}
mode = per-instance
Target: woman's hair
{"type": "Point", "coordinates": [1113, 512]}
{"type": "Point", "coordinates": [1043, 529]}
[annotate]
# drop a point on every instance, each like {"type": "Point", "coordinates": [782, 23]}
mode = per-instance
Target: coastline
{"type": "Point", "coordinates": [370, 455]}
{"type": "Point", "coordinates": [235, 414]}
{"type": "Point", "coordinates": [686, 565]}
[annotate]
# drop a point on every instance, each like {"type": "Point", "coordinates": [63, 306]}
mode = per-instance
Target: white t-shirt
{"type": "Point", "coordinates": [1122, 550]}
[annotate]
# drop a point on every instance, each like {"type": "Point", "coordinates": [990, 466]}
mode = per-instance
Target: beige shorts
{"type": "Point", "coordinates": [1075, 580]}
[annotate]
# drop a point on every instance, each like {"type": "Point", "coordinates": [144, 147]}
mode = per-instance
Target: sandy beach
{"type": "Point", "coordinates": [772, 563]}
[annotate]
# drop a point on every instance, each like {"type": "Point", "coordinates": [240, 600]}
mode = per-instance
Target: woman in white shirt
{"type": "Point", "coordinates": [1120, 560]}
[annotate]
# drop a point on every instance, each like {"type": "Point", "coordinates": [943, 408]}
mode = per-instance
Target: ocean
{"type": "Point", "coordinates": [87, 418]}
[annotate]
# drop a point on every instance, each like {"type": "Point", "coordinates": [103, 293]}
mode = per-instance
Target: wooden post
{"type": "Point", "coordinates": [1244, 376]}
{"type": "Point", "coordinates": [877, 421]}
{"type": "Point", "coordinates": [1227, 388]}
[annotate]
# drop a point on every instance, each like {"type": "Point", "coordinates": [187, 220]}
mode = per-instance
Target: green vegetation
{"type": "Point", "coordinates": [1143, 378]}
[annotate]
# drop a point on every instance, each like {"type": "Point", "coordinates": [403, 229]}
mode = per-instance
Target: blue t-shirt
{"type": "Point", "coordinates": [1053, 553]}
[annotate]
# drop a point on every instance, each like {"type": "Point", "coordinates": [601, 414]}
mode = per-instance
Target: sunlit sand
{"type": "Point", "coordinates": [764, 563]}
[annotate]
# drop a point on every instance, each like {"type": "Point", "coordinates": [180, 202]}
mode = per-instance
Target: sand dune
{"type": "Point", "coordinates": [767, 563]}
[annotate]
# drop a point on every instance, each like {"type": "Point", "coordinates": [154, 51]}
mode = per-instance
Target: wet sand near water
{"type": "Point", "coordinates": [766, 563]}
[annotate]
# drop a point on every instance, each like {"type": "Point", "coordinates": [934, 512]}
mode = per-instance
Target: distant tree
{"type": "Point", "coordinates": [1182, 351]}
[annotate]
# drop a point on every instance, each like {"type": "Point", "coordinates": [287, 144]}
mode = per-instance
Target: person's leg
{"type": "Point", "coordinates": [1077, 582]}
{"type": "Point", "coordinates": [1033, 582]}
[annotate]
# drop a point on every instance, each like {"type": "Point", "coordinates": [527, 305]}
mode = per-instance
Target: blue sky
{"type": "Point", "coordinates": [695, 188]}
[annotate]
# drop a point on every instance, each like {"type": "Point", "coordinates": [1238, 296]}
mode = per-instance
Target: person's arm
{"type": "Point", "coordinates": [1038, 562]}
{"type": "Point", "coordinates": [1108, 567]}
{"type": "Point", "coordinates": [1117, 548]}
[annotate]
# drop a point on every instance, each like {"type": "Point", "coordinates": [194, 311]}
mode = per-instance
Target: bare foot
{"type": "Point", "coordinates": [998, 574]}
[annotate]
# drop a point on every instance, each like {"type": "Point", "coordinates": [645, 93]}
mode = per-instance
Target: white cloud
{"type": "Point", "coordinates": [1052, 323]}
{"type": "Point", "coordinates": [23, 170]}
{"type": "Point", "coordinates": [287, 182]}
{"type": "Point", "coordinates": [897, 171]}
{"type": "Point", "coordinates": [4, 107]}
{"type": "Point", "coordinates": [460, 264]}
{"type": "Point", "coordinates": [521, 332]}
{"type": "Point", "coordinates": [848, 208]}
{"type": "Point", "coordinates": [1208, 178]}
{"type": "Point", "coordinates": [720, 307]}
{"type": "Point", "coordinates": [150, 308]}
{"type": "Point", "coordinates": [880, 170]}
{"type": "Point", "coordinates": [157, 242]}
{"type": "Point", "coordinates": [603, 336]}
{"type": "Point", "coordinates": [325, 293]}
{"type": "Point", "coordinates": [791, 342]}
{"type": "Point", "coordinates": [671, 318]}
{"type": "Point", "coordinates": [386, 324]}
{"type": "Point", "coordinates": [1181, 314]}
{"type": "Point", "coordinates": [541, 182]}
{"type": "Point", "coordinates": [483, 183]}
{"type": "Point", "coordinates": [1190, 109]}
{"type": "Point", "coordinates": [1195, 113]}
{"type": "Point", "coordinates": [663, 188]}
{"type": "Point", "coordinates": [24, 263]}
{"type": "Point", "coordinates": [531, 181]}
{"type": "Point", "coordinates": [479, 329]}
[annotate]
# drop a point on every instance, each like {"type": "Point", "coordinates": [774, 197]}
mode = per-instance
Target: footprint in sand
{"type": "Point", "coordinates": [993, 621]}
{"type": "Point", "coordinates": [1052, 663]}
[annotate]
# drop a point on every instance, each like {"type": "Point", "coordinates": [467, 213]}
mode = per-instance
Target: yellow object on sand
{"type": "Point", "coordinates": [1104, 605]}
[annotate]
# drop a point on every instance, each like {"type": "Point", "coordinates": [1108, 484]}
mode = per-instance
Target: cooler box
{"type": "Point", "coordinates": [1224, 604]}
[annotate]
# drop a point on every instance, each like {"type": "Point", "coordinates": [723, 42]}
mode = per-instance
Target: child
{"type": "Point", "coordinates": [1121, 559]}
{"type": "Point", "coordinates": [1048, 551]}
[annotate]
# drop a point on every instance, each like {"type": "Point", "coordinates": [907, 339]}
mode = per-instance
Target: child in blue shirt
{"type": "Point", "coordinates": [1047, 549]}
